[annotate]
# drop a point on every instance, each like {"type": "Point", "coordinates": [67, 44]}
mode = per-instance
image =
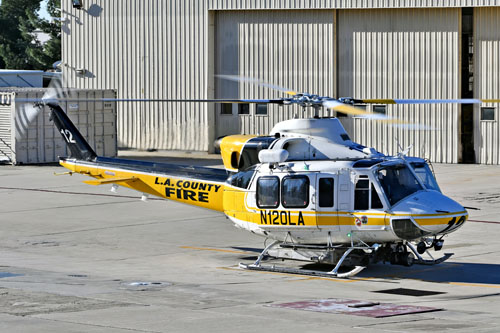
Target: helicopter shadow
{"type": "Point", "coordinates": [447, 272]}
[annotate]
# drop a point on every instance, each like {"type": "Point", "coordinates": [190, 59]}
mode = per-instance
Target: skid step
{"type": "Point", "coordinates": [421, 261]}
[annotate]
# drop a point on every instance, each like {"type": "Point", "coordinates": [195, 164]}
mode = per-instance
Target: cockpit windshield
{"type": "Point", "coordinates": [425, 175]}
{"type": "Point", "coordinates": [398, 182]}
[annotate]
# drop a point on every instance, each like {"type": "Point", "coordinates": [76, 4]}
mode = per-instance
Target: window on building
{"type": "Point", "coordinates": [261, 109]}
{"type": "Point", "coordinates": [487, 113]}
{"type": "Point", "coordinates": [376, 202]}
{"type": "Point", "coordinates": [326, 195]}
{"type": "Point", "coordinates": [244, 108]}
{"type": "Point", "coordinates": [358, 106]}
{"type": "Point", "coordinates": [226, 108]}
{"type": "Point", "coordinates": [268, 192]}
{"type": "Point", "coordinates": [362, 194]}
{"type": "Point", "coordinates": [382, 109]}
{"type": "Point", "coordinates": [295, 192]}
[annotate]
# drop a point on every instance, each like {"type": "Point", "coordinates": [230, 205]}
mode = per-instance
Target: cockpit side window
{"type": "Point", "coordinates": [362, 195]}
{"type": "Point", "coordinates": [376, 202]}
{"type": "Point", "coordinates": [365, 196]}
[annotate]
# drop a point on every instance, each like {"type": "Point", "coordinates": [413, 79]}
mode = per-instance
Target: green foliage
{"type": "Point", "coordinates": [19, 47]}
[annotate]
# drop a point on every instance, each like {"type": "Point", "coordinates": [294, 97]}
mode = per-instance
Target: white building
{"type": "Point", "coordinates": [442, 49]}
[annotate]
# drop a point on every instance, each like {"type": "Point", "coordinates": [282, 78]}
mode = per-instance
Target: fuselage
{"type": "Point", "coordinates": [313, 185]}
{"type": "Point", "coordinates": [313, 202]}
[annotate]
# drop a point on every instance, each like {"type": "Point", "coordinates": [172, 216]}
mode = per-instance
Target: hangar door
{"type": "Point", "coordinates": [404, 53]}
{"type": "Point", "coordinates": [294, 49]}
{"type": "Point", "coordinates": [487, 84]}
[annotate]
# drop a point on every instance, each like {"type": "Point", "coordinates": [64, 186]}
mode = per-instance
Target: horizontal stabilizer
{"type": "Point", "coordinates": [110, 181]}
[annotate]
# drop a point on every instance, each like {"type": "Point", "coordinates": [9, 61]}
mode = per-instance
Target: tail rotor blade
{"type": "Point", "coordinates": [30, 108]}
{"type": "Point", "coordinates": [26, 113]}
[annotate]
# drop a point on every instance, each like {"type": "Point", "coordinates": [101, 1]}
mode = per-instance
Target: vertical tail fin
{"type": "Point", "coordinates": [78, 146]}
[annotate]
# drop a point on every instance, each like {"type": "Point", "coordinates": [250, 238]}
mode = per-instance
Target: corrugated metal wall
{"type": "Point", "coordinates": [5, 126]}
{"type": "Point", "coordinates": [292, 49]}
{"type": "Point", "coordinates": [344, 4]}
{"type": "Point", "coordinates": [144, 49]}
{"type": "Point", "coordinates": [166, 49]}
{"type": "Point", "coordinates": [403, 53]}
{"type": "Point", "coordinates": [487, 82]}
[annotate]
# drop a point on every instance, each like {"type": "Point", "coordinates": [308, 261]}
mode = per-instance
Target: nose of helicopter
{"type": "Point", "coordinates": [432, 212]}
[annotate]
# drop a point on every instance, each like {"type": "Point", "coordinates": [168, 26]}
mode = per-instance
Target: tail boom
{"type": "Point", "coordinates": [188, 187]}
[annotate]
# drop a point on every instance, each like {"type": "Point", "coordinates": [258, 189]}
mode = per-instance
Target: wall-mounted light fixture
{"type": "Point", "coordinates": [81, 71]}
{"type": "Point", "coordinates": [77, 4]}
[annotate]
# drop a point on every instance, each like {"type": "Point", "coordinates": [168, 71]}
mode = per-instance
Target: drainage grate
{"type": "Point", "coordinates": [409, 292]}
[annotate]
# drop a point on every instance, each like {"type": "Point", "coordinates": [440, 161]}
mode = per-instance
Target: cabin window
{"type": "Point", "coordinates": [376, 202]}
{"type": "Point", "coordinates": [326, 192]}
{"type": "Point", "coordinates": [295, 192]}
{"type": "Point", "coordinates": [268, 192]}
{"type": "Point", "coordinates": [362, 194]}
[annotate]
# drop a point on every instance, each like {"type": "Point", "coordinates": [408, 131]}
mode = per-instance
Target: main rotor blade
{"type": "Point", "coordinates": [70, 99]}
{"type": "Point", "coordinates": [352, 110]}
{"type": "Point", "coordinates": [221, 100]}
{"type": "Point", "coordinates": [257, 82]}
{"type": "Point", "coordinates": [427, 101]}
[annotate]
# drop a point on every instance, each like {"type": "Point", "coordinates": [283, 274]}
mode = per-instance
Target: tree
{"type": "Point", "coordinates": [19, 47]}
{"type": "Point", "coordinates": [50, 52]}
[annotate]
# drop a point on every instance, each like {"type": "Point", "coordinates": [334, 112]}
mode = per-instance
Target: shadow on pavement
{"type": "Point", "coordinates": [444, 273]}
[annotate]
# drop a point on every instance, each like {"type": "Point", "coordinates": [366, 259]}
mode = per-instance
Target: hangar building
{"type": "Point", "coordinates": [444, 49]}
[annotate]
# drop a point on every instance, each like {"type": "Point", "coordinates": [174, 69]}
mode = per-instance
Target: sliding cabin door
{"type": "Point", "coordinates": [327, 201]}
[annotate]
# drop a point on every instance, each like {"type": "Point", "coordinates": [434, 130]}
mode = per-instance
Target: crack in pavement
{"type": "Point", "coordinates": [62, 207]}
{"type": "Point", "coordinates": [96, 325]}
{"type": "Point", "coordinates": [125, 226]}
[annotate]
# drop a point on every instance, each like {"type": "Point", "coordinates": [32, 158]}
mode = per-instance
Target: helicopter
{"type": "Point", "coordinates": [317, 195]}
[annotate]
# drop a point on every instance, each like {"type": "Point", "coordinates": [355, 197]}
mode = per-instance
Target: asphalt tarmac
{"type": "Point", "coordinates": [79, 258]}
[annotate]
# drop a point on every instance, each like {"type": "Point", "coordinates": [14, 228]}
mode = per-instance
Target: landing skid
{"type": "Point", "coordinates": [334, 273]}
{"type": "Point", "coordinates": [287, 270]}
{"type": "Point", "coordinates": [256, 266]}
{"type": "Point", "coordinates": [421, 261]}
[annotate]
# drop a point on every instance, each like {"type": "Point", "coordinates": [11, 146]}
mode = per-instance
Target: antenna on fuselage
{"type": "Point", "coordinates": [403, 152]}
